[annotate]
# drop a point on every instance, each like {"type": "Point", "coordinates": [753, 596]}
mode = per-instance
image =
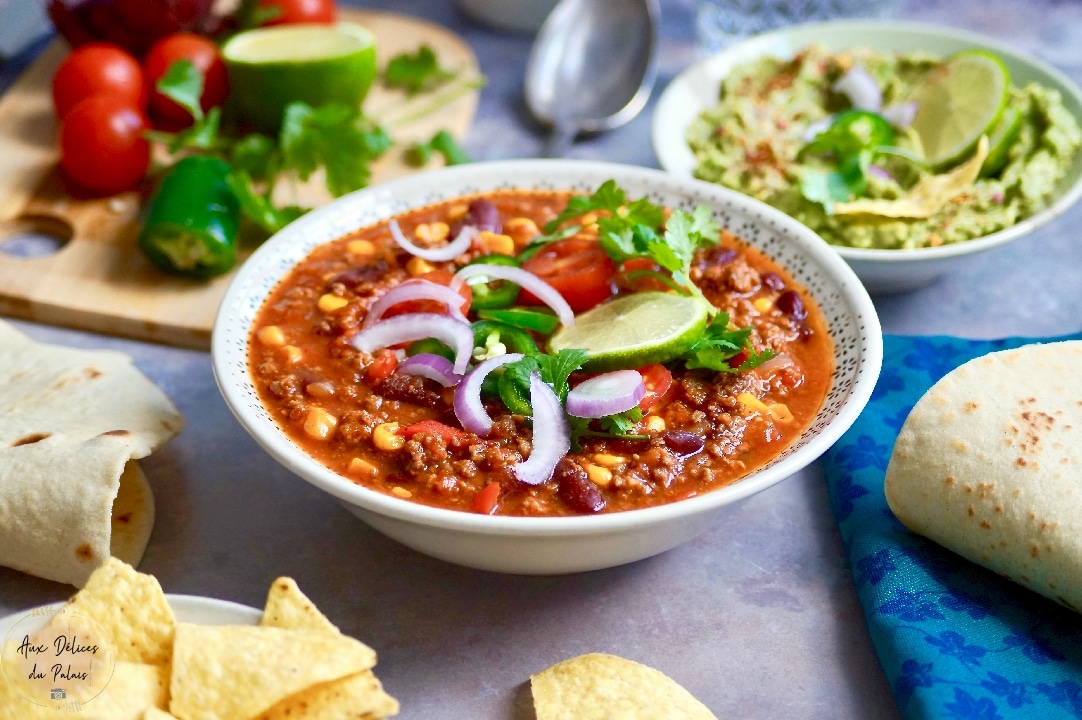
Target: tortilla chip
{"type": "Point", "coordinates": [132, 689]}
{"type": "Point", "coordinates": [238, 671]}
{"type": "Point", "coordinates": [154, 713]}
{"type": "Point", "coordinates": [70, 422]}
{"type": "Point", "coordinates": [602, 687]}
{"type": "Point", "coordinates": [357, 697]}
{"type": "Point", "coordinates": [287, 607]}
{"type": "Point", "coordinates": [130, 609]}
{"type": "Point", "coordinates": [926, 197]}
{"type": "Point", "coordinates": [989, 465]}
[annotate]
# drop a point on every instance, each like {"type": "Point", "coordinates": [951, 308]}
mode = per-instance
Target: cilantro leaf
{"type": "Point", "coordinates": [612, 198]}
{"type": "Point", "coordinates": [720, 344]}
{"type": "Point", "coordinates": [332, 136]}
{"type": "Point", "coordinates": [258, 208]}
{"type": "Point", "coordinates": [256, 155]}
{"type": "Point", "coordinates": [415, 72]}
{"type": "Point", "coordinates": [182, 82]}
{"type": "Point", "coordinates": [442, 142]}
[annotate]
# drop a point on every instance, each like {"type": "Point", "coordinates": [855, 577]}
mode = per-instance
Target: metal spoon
{"type": "Point", "coordinates": [592, 67]}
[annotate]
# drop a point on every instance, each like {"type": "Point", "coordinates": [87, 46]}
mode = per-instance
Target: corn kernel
{"type": "Point", "coordinates": [776, 411]}
{"type": "Point", "coordinates": [457, 212]}
{"type": "Point", "coordinates": [365, 248]}
{"type": "Point", "coordinates": [292, 354]}
{"type": "Point", "coordinates": [385, 437]}
{"type": "Point", "coordinates": [359, 467]}
{"type": "Point", "coordinates": [432, 232]}
{"type": "Point", "coordinates": [762, 304]}
{"type": "Point", "coordinates": [491, 242]}
{"type": "Point", "coordinates": [600, 476]}
{"type": "Point", "coordinates": [329, 303]}
{"type": "Point", "coordinates": [401, 492]}
{"type": "Point", "coordinates": [780, 412]}
{"type": "Point", "coordinates": [655, 424]}
{"type": "Point", "coordinates": [418, 266]}
{"type": "Point", "coordinates": [271, 335]}
{"type": "Point", "coordinates": [588, 219]}
{"type": "Point", "coordinates": [608, 460]}
{"type": "Point", "coordinates": [319, 424]}
{"type": "Point", "coordinates": [521, 230]}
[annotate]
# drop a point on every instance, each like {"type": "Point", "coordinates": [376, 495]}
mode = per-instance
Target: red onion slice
{"type": "Point", "coordinates": [432, 366]}
{"type": "Point", "coordinates": [417, 289]}
{"type": "Point", "coordinates": [901, 115]}
{"type": "Point", "coordinates": [880, 172]}
{"type": "Point", "coordinates": [524, 279]}
{"type": "Point", "coordinates": [551, 434]}
{"type": "Point", "coordinates": [606, 394]}
{"type": "Point", "coordinates": [417, 326]}
{"type": "Point", "coordinates": [450, 251]}
{"type": "Point", "coordinates": [861, 88]}
{"type": "Point", "coordinates": [469, 409]}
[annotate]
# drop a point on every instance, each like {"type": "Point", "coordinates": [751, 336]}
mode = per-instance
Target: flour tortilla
{"type": "Point", "coordinates": [989, 465]}
{"type": "Point", "coordinates": [71, 422]}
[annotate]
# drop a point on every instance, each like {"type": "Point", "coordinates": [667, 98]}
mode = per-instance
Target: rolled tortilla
{"type": "Point", "coordinates": [989, 465]}
{"type": "Point", "coordinates": [71, 423]}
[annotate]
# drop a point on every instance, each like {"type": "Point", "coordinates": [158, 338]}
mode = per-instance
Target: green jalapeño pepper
{"type": "Point", "coordinates": [488, 334]}
{"type": "Point", "coordinates": [191, 225]}
{"type": "Point", "coordinates": [493, 293]}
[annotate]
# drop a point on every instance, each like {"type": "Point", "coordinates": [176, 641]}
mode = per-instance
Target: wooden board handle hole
{"type": "Point", "coordinates": [34, 236]}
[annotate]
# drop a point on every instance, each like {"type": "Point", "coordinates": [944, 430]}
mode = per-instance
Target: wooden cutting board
{"type": "Point", "coordinates": [98, 280]}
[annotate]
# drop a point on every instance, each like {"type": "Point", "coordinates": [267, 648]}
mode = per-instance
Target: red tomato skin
{"type": "Point", "coordinates": [204, 55]}
{"type": "Point", "coordinates": [486, 499]}
{"type": "Point", "coordinates": [97, 68]}
{"type": "Point", "coordinates": [301, 11]}
{"type": "Point", "coordinates": [658, 381]}
{"type": "Point", "coordinates": [102, 146]}
{"type": "Point", "coordinates": [578, 268]}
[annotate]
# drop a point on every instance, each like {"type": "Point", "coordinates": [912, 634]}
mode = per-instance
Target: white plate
{"type": "Point", "coordinates": [696, 89]}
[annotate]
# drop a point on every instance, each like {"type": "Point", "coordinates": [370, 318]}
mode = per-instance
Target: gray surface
{"type": "Point", "coordinates": [758, 617]}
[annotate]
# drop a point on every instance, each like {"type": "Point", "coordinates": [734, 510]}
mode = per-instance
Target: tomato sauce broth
{"type": "Point", "coordinates": [345, 408]}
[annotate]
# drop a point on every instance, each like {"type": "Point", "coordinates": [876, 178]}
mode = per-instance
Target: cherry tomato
{"type": "Point", "coordinates": [485, 500]}
{"type": "Point", "coordinates": [102, 146]}
{"type": "Point", "coordinates": [382, 367]}
{"type": "Point", "coordinates": [443, 277]}
{"type": "Point", "coordinates": [658, 381]}
{"type": "Point", "coordinates": [577, 268]}
{"type": "Point", "coordinates": [300, 11]}
{"type": "Point", "coordinates": [98, 68]}
{"type": "Point", "coordinates": [204, 55]}
{"type": "Point", "coordinates": [633, 276]}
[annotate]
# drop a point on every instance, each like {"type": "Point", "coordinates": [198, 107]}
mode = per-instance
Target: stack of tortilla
{"type": "Point", "coordinates": [72, 423]}
{"type": "Point", "coordinates": [989, 465]}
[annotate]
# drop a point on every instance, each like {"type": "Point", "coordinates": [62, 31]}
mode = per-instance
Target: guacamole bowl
{"type": "Point", "coordinates": [882, 270]}
{"type": "Point", "coordinates": [534, 542]}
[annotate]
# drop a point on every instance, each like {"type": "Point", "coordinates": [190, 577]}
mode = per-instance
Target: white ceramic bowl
{"type": "Point", "coordinates": [562, 544]}
{"type": "Point", "coordinates": [882, 271]}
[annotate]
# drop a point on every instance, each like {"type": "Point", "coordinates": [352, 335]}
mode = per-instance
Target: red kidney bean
{"type": "Point", "coordinates": [773, 281]}
{"type": "Point", "coordinates": [573, 486]}
{"type": "Point", "coordinates": [683, 443]}
{"type": "Point", "coordinates": [481, 214]}
{"type": "Point", "coordinates": [362, 279]}
{"type": "Point", "coordinates": [790, 303]}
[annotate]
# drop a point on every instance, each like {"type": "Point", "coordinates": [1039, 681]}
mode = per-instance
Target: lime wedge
{"type": "Point", "coordinates": [1000, 141]}
{"type": "Point", "coordinates": [634, 330]}
{"type": "Point", "coordinates": [958, 102]}
{"type": "Point", "coordinates": [271, 67]}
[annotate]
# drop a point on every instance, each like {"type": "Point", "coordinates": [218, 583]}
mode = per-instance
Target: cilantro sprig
{"type": "Point", "coordinates": [721, 344]}
{"type": "Point", "coordinates": [416, 72]}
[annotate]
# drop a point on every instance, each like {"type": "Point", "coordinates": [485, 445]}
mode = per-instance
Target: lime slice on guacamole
{"type": "Point", "coordinates": [271, 67]}
{"type": "Point", "coordinates": [958, 102]}
{"type": "Point", "coordinates": [634, 330]}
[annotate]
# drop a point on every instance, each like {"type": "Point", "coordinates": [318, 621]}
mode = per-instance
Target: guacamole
{"type": "Point", "coordinates": [770, 109]}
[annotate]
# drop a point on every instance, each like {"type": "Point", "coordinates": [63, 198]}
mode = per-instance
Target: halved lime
{"type": "Point", "coordinates": [634, 330]}
{"type": "Point", "coordinates": [958, 102]}
{"type": "Point", "coordinates": [1000, 141]}
{"type": "Point", "coordinates": [271, 67]}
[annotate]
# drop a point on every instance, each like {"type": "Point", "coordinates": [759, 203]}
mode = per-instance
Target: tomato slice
{"type": "Point", "coordinates": [382, 366]}
{"type": "Point", "coordinates": [443, 277]}
{"type": "Point", "coordinates": [637, 275]}
{"type": "Point", "coordinates": [578, 268]}
{"type": "Point", "coordinates": [485, 500]}
{"type": "Point", "coordinates": [658, 381]}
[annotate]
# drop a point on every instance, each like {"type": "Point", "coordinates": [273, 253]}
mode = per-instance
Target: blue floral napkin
{"type": "Point", "coordinates": [955, 640]}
